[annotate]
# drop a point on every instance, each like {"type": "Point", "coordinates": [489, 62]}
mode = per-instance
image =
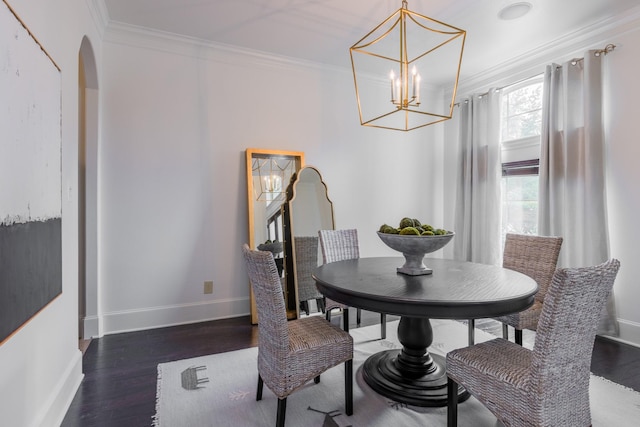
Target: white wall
{"type": "Point", "coordinates": [176, 119]}
{"type": "Point", "coordinates": [41, 363]}
{"type": "Point", "coordinates": [622, 91]}
{"type": "Point", "coordinates": [623, 194]}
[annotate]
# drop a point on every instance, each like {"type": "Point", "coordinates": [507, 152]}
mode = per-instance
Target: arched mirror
{"type": "Point", "coordinates": [307, 211]}
{"type": "Point", "coordinates": [268, 173]}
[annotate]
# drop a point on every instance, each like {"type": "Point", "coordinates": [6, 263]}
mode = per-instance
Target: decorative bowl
{"type": "Point", "coordinates": [414, 248]}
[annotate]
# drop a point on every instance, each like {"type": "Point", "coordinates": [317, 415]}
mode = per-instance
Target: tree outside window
{"type": "Point", "coordinates": [522, 112]}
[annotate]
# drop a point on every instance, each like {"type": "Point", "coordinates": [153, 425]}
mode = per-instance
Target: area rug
{"type": "Point", "coordinates": [219, 390]}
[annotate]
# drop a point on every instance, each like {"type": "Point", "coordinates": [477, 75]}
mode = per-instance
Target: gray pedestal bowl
{"type": "Point", "coordinates": [414, 248]}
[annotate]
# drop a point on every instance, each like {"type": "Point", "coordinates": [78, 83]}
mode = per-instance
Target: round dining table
{"type": "Point", "coordinates": [455, 290]}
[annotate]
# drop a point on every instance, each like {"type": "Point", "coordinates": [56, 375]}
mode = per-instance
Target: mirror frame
{"type": "Point", "coordinates": [249, 155]}
{"type": "Point", "coordinates": [289, 244]}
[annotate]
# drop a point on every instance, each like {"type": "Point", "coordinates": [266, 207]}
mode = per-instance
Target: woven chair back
{"type": "Point", "coordinates": [561, 359]}
{"type": "Point", "coordinates": [306, 261]}
{"type": "Point", "coordinates": [339, 245]}
{"type": "Point", "coordinates": [273, 333]}
{"type": "Point", "coordinates": [535, 256]}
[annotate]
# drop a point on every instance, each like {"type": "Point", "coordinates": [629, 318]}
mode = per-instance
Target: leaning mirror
{"type": "Point", "coordinates": [268, 173]}
{"type": "Point", "coordinates": [307, 211]}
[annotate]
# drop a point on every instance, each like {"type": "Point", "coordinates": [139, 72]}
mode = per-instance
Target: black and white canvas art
{"type": "Point", "coordinates": [30, 175]}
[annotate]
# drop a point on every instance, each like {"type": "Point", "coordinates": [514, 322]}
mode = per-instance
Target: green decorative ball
{"type": "Point", "coordinates": [387, 229]}
{"type": "Point", "coordinates": [405, 222]}
{"type": "Point", "coordinates": [409, 231]}
{"type": "Point", "coordinates": [413, 227]}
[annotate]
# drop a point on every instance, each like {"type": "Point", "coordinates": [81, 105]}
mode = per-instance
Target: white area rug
{"type": "Point", "coordinates": [220, 390]}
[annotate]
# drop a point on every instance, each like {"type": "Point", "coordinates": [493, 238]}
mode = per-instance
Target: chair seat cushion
{"type": "Point", "coordinates": [496, 372]}
{"type": "Point", "coordinates": [314, 332]}
{"type": "Point", "coordinates": [315, 345]}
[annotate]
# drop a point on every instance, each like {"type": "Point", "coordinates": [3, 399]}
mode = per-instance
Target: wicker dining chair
{"type": "Point", "coordinates": [291, 353]}
{"type": "Point", "coordinates": [340, 245]}
{"type": "Point", "coordinates": [537, 257]}
{"type": "Point", "coordinates": [549, 385]}
{"type": "Point", "coordinates": [306, 260]}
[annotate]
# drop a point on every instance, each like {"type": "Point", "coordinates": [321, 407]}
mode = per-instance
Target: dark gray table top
{"type": "Point", "coordinates": [455, 290]}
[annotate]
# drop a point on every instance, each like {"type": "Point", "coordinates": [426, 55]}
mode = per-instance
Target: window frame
{"type": "Point", "coordinates": [521, 167]}
{"type": "Point", "coordinates": [276, 220]}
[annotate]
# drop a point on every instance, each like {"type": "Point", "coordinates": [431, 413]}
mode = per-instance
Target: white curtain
{"type": "Point", "coordinates": [477, 216]}
{"type": "Point", "coordinates": [572, 199]}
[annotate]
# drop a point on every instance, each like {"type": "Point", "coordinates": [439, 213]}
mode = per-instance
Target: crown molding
{"type": "Point", "coordinates": [136, 36]}
{"type": "Point", "coordinates": [560, 50]}
{"type": "Point", "coordinates": [503, 74]}
{"type": "Point", "coordinates": [99, 14]}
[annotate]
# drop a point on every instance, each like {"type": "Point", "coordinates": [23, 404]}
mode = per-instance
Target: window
{"type": "Point", "coordinates": [521, 119]}
{"type": "Point", "coordinates": [520, 197]}
{"type": "Point", "coordinates": [522, 110]}
{"type": "Point", "coordinates": [274, 227]}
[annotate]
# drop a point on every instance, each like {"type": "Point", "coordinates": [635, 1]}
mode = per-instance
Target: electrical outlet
{"type": "Point", "coordinates": [208, 287]}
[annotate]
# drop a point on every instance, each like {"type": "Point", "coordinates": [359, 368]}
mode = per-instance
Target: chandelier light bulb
{"type": "Point", "coordinates": [272, 183]}
{"type": "Point", "coordinates": [392, 77]}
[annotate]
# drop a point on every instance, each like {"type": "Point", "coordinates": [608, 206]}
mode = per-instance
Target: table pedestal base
{"type": "Point", "coordinates": [411, 375]}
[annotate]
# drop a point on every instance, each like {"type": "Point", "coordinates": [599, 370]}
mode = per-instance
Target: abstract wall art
{"type": "Point", "coordinates": [30, 175]}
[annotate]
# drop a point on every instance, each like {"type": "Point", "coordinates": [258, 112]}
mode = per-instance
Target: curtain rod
{"type": "Point", "coordinates": [604, 51]}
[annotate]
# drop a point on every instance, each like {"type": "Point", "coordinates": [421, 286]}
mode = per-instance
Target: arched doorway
{"type": "Point", "coordinates": [89, 324]}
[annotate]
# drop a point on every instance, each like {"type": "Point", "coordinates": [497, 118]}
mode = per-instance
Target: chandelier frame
{"type": "Point", "coordinates": [407, 102]}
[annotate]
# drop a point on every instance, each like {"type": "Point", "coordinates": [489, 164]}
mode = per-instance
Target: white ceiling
{"type": "Point", "coordinates": [323, 30]}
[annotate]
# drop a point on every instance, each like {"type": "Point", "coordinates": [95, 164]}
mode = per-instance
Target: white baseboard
{"type": "Point", "coordinates": [629, 333]}
{"type": "Point", "coordinates": [91, 327]}
{"type": "Point", "coordinates": [54, 412]}
{"type": "Point", "coordinates": [159, 317]}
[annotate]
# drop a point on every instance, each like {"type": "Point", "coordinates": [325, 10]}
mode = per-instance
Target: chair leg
{"type": "Point", "coordinates": [452, 403]}
{"type": "Point", "coordinates": [304, 306]}
{"type": "Point", "coordinates": [316, 379]}
{"type": "Point", "coordinates": [383, 326]}
{"type": "Point", "coordinates": [320, 303]}
{"type": "Point", "coordinates": [472, 331]}
{"type": "Point", "coordinates": [519, 336]}
{"type": "Point", "coordinates": [348, 386]}
{"type": "Point", "coordinates": [505, 331]}
{"type": "Point", "coordinates": [328, 315]}
{"type": "Point", "coordinates": [345, 319]}
{"type": "Point", "coordinates": [282, 409]}
{"type": "Point", "coordinates": [260, 384]}
{"type": "Point", "coordinates": [358, 316]}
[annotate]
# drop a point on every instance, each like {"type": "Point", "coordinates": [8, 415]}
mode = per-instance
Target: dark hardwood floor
{"type": "Point", "coordinates": [119, 387]}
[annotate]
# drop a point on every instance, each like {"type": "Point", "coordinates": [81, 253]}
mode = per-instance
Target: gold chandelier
{"type": "Point", "coordinates": [273, 174]}
{"type": "Point", "coordinates": [421, 57]}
